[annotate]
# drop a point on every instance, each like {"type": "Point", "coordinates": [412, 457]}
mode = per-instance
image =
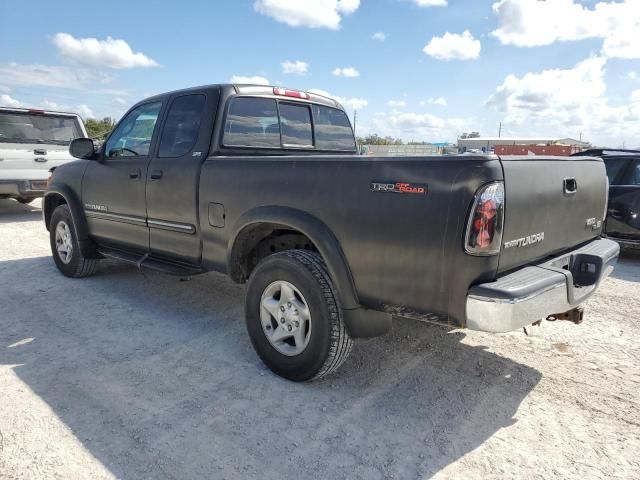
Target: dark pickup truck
{"type": "Point", "coordinates": [623, 217]}
{"type": "Point", "coordinates": [265, 184]}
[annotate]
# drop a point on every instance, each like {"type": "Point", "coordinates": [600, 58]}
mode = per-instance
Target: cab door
{"type": "Point", "coordinates": [174, 173]}
{"type": "Point", "coordinates": [623, 219]}
{"type": "Point", "coordinates": [113, 188]}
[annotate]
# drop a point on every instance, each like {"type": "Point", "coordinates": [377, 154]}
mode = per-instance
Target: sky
{"type": "Point", "coordinates": [422, 70]}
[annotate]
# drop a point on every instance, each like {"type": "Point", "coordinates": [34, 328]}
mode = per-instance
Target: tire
{"type": "Point", "coordinates": [25, 200]}
{"type": "Point", "coordinates": [326, 341]}
{"type": "Point", "coordinates": [73, 265]}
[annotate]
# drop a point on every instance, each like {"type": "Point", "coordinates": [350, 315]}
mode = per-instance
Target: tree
{"type": "Point", "coordinates": [99, 129]}
{"type": "Point", "coordinates": [376, 139]}
{"type": "Point", "coordinates": [470, 135]}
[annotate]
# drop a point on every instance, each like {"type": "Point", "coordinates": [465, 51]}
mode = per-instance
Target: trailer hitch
{"type": "Point", "coordinates": [575, 315]}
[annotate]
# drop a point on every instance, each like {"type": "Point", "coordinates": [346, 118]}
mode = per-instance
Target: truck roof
{"type": "Point", "coordinates": [606, 152]}
{"type": "Point", "coordinates": [261, 91]}
{"type": "Point", "coordinates": [37, 111]}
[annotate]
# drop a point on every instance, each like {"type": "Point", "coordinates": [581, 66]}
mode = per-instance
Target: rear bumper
{"type": "Point", "coordinates": [535, 292]}
{"type": "Point", "coordinates": [22, 188]}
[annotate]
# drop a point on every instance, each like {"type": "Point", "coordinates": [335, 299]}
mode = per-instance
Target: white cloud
{"type": "Point", "coordinates": [415, 126]}
{"type": "Point", "coordinates": [255, 80]}
{"type": "Point", "coordinates": [381, 36]}
{"type": "Point", "coordinates": [4, 89]}
{"type": "Point", "coordinates": [110, 53]}
{"type": "Point", "coordinates": [50, 76]}
{"type": "Point", "coordinates": [345, 72]}
{"type": "Point", "coordinates": [452, 46]}
{"type": "Point", "coordinates": [531, 23]}
{"type": "Point", "coordinates": [438, 101]}
{"type": "Point", "coordinates": [82, 109]}
{"type": "Point", "coordinates": [566, 102]}
{"type": "Point", "coordinates": [353, 103]}
{"type": "Point", "coordinates": [295, 68]}
{"type": "Point", "coordinates": [397, 103]}
{"type": "Point", "coordinates": [7, 101]}
{"type": "Point", "coordinates": [307, 13]}
{"type": "Point", "coordinates": [430, 3]}
{"type": "Point", "coordinates": [632, 75]}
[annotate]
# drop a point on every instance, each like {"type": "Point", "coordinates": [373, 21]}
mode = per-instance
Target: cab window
{"type": "Point", "coordinates": [295, 123]}
{"type": "Point", "coordinates": [633, 177]}
{"type": "Point", "coordinates": [181, 129]}
{"type": "Point", "coordinates": [614, 167]}
{"type": "Point", "coordinates": [333, 129]}
{"type": "Point", "coordinates": [252, 122]}
{"type": "Point", "coordinates": [132, 137]}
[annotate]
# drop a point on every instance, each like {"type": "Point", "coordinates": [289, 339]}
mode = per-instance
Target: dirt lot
{"type": "Point", "coordinates": [131, 376]}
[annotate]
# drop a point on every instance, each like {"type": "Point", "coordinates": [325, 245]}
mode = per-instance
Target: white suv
{"type": "Point", "coordinates": [31, 143]}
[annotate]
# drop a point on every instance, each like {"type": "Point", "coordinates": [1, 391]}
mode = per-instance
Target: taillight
{"type": "Point", "coordinates": [484, 228]}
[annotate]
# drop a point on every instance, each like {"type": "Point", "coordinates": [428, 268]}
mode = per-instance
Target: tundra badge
{"type": "Point", "coordinates": [524, 241]}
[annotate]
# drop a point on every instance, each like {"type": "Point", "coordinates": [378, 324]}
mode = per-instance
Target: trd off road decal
{"type": "Point", "coordinates": [399, 187]}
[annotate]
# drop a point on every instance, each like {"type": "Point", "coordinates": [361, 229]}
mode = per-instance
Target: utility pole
{"type": "Point", "coordinates": [500, 130]}
{"type": "Point", "coordinates": [355, 118]}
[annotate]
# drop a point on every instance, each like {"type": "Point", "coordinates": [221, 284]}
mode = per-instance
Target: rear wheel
{"type": "Point", "coordinates": [25, 200]}
{"type": "Point", "coordinates": [294, 317]}
{"type": "Point", "coordinates": [65, 248]}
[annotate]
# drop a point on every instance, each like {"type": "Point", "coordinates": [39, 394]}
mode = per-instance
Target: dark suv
{"type": "Point", "coordinates": [623, 215]}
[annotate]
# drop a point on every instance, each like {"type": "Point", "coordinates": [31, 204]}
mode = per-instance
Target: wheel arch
{"type": "Point", "coordinates": [57, 195]}
{"type": "Point", "coordinates": [256, 225]}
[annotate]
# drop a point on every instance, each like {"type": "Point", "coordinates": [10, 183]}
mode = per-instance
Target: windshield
{"type": "Point", "coordinates": [38, 128]}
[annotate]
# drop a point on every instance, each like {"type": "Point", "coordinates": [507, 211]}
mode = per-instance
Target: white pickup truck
{"type": "Point", "coordinates": [31, 143]}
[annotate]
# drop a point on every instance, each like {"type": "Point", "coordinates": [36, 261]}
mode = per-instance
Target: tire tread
{"type": "Point", "coordinates": [340, 341]}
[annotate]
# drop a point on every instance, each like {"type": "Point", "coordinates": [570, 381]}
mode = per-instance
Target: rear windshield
{"type": "Point", "coordinates": [266, 122]}
{"type": "Point", "coordinates": [27, 127]}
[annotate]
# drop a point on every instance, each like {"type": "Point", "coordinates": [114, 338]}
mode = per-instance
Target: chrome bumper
{"type": "Point", "coordinates": [535, 292]}
{"type": "Point", "coordinates": [22, 187]}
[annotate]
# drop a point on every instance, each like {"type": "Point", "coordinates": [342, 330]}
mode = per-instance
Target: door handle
{"type": "Point", "coordinates": [133, 174]}
{"type": "Point", "coordinates": [156, 174]}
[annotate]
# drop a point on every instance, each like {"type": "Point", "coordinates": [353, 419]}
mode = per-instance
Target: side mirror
{"type": "Point", "coordinates": [82, 148]}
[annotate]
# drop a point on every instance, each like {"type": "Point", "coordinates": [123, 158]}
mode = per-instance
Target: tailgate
{"type": "Point", "coordinates": [23, 161]}
{"type": "Point", "coordinates": [542, 215]}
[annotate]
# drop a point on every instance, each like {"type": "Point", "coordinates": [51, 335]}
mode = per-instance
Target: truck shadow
{"type": "Point", "coordinates": [628, 267]}
{"type": "Point", "coordinates": [157, 378]}
{"type": "Point", "coordinates": [12, 211]}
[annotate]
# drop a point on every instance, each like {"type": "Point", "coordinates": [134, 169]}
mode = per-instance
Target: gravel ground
{"type": "Point", "coordinates": [130, 376]}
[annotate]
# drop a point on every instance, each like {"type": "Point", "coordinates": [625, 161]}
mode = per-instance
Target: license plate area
{"type": "Point", "coordinates": [38, 185]}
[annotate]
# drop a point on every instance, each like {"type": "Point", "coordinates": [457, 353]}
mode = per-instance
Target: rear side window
{"type": "Point", "coordinates": [252, 122]}
{"type": "Point", "coordinates": [295, 123]}
{"type": "Point", "coordinates": [333, 130]}
{"type": "Point", "coordinates": [180, 132]}
{"type": "Point", "coordinates": [614, 166]}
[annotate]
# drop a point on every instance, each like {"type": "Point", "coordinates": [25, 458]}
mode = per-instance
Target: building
{"type": "Point", "coordinates": [489, 143]}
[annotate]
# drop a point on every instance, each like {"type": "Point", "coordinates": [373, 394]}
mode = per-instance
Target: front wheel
{"type": "Point", "coordinates": [65, 248]}
{"type": "Point", "coordinates": [294, 317]}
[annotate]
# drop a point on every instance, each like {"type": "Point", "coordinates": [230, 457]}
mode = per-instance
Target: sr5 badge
{"type": "Point", "coordinates": [399, 187]}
